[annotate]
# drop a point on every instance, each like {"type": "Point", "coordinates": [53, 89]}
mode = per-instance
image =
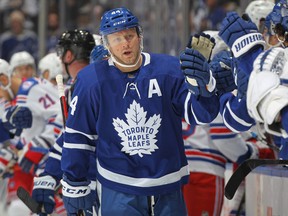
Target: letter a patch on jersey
{"type": "Point", "coordinates": [138, 135]}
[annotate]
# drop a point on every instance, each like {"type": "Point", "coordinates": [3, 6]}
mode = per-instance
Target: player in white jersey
{"type": "Point", "coordinates": [34, 105]}
{"type": "Point", "coordinates": [209, 148]}
{"type": "Point", "coordinates": [23, 65]}
{"type": "Point", "coordinates": [49, 67]}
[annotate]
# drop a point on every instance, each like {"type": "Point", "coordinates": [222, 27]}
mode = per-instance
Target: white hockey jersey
{"type": "Point", "coordinates": [208, 148]}
{"type": "Point", "coordinates": [41, 97]}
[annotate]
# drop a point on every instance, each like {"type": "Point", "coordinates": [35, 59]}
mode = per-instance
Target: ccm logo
{"type": "Point", "coordinates": [73, 191]}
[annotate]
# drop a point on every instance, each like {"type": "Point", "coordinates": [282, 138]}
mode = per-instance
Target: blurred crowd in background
{"type": "Point", "coordinates": [167, 23]}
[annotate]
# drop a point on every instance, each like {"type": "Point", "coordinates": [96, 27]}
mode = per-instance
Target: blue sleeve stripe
{"type": "Point", "coordinates": [81, 146]}
{"type": "Point", "coordinates": [89, 136]}
{"type": "Point", "coordinates": [227, 136]}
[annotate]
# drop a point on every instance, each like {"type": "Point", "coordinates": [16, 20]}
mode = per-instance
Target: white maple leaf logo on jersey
{"type": "Point", "coordinates": [138, 135]}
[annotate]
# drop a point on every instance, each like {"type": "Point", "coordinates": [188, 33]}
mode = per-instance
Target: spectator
{"type": "Point", "coordinates": [17, 38]}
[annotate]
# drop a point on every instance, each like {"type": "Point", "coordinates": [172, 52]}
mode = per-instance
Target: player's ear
{"type": "Point", "coordinates": [68, 56]}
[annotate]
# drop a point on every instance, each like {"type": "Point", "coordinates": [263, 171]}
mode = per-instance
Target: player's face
{"type": "Point", "coordinates": [125, 46]}
{"type": "Point", "coordinates": [24, 71]}
{"type": "Point", "coordinates": [3, 80]}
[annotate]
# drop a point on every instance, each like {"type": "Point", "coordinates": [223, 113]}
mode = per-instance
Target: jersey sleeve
{"type": "Point", "coordinates": [80, 132]}
{"type": "Point", "coordinates": [234, 113]}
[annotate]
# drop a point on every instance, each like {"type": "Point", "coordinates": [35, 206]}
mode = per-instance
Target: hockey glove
{"type": "Point", "coordinates": [4, 135]}
{"type": "Point", "coordinates": [240, 34]}
{"type": "Point", "coordinates": [17, 117]}
{"type": "Point", "coordinates": [43, 192]}
{"type": "Point", "coordinates": [31, 156]}
{"type": "Point", "coordinates": [8, 158]}
{"type": "Point", "coordinates": [98, 53]}
{"type": "Point", "coordinates": [196, 70]}
{"type": "Point", "coordinates": [204, 43]}
{"type": "Point", "coordinates": [222, 72]}
{"type": "Point", "coordinates": [76, 196]}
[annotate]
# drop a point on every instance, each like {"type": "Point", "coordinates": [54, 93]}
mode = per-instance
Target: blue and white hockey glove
{"type": "Point", "coordinates": [31, 156]}
{"type": "Point", "coordinates": [98, 53]}
{"type": "Point", "coordinates": [240, 34]}
{"type": "Point", "coordinates": [198, 75]}
{"type": "Point", "coordinates": [17, 117]}
{"type": "Point", "coordinates": [76, 196]}
{"type": "Point", "coordinates": [43, 192]}
{"type": "Point", "coordinates": [4, 135]}
{"type": "Point", "coordinates": [221, 67]}
{"type": "Point", "coordinates": [8, 158]}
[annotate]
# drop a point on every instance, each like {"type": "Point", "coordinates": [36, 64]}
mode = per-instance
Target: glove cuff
{"type": "Point", "coordinates": [44, 182]}
{"type": "Point", "coordinates": [246, 42]}
{"type": "Point", "coordinates": [75, 189]}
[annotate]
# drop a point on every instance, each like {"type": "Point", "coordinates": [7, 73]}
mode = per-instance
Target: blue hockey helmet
{"type": "Point", "coordinates": [116, 20]}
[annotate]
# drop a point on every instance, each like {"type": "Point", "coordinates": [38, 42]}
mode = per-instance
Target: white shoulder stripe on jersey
{"type": "Point", "coordinates": [186, 108]}
{"type": "Point", "coordinates": [55, 156]}
{"type": "Point", "coordinates": [143, 182]}
{"type": "Point", "coordinates": [91, 137]}
{"type": "Point", "coordinates": [79, 146]}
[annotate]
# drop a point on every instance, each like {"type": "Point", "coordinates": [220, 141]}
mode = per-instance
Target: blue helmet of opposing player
{"type": "Point", "coordinates": [116, 20]}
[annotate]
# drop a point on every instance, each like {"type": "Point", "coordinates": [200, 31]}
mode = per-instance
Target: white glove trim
{"type": "Point", "coordinates": [246, 42]}
{"type": "Point", "coordinates": [44, 182]}
{"type": "Point", "coordinates": [74, 191]}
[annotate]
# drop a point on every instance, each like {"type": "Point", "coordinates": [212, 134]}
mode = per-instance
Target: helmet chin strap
{"type": "Point", "coordinates": [125, 65]}
{"type": "Point", "coordinates": [8, 89]}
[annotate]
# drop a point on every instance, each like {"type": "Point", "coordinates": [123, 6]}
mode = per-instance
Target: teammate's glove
{"type": "Point", "coordinates": [240, 34]}
{"type": "Point", "coordinates": [204, 43]}
{"type": "Point", "coordinates": [4, 135]}
{"type": "Point", "coordinates": [221, 67]}
{"type": "Point", "coordinates": [43, 192]}
{"type": "Point", "coordinates": [31, 156]}
{"type": "Point", "coordinates": [76, 196]}
{"type": "Point", "coordinates": [8, 158]}
{"type": "Point", "coordinates": [17, 117]}
{"type": "Point", "coordinates": [196, 70]}
{"type": "Point", "coordinates": [98, 53]}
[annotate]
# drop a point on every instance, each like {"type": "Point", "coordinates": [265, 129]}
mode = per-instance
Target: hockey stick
{"type": "Point", "coordinates": [243, 170]}
{"type": "Point", "coordinates": [28, 201]}
{"type": "Point", "coordinates": [34, 206]}
{"type": "Point", "coordinates": [59, 80]}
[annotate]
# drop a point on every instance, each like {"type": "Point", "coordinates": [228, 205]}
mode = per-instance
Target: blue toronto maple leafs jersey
{"type": "Point", "coordinates": [135, 119]}
{"type": "Point", "coordinates": [235, 114]}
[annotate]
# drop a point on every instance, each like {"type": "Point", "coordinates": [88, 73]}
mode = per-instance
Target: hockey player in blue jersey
{"type": "Point", "coordinates": [128, 110]}
{"type": "Point", "coordinates": [74, 48]}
